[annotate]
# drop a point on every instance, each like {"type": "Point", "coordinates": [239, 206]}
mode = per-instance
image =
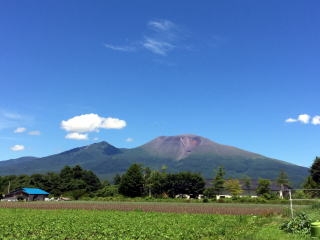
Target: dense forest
{"type": "Point", "coordinates": [136, 182]}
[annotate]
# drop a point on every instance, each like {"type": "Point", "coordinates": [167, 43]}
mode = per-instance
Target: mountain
{"type": "Point", "coordinates": [179, 153]}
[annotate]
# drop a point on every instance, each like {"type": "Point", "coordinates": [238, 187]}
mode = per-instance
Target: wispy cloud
{"type": "Point", "coordinates": [9, 119]}
{"type": "Point", "coordinates": [129, 139]}
{"type": "Point", "coordinates": [120, 48]}
{"type": "Point", "coordinates": [157, 47]}
{"type": "Point", "coordinates": [162, 25]}
{"type": "Point", "coordinates": [305, 119]}
{"type": "Point", "coordinates": [11, 115]}
{"type": "Point", "coordinates": [161, 38]}
{"type": "Point", "coordinates": [164, 36]}
{"type": "Point", "coordinates": [34, 133]}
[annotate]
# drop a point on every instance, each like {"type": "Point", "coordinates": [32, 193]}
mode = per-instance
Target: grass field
{"type": "Point", "coordinates": [79, 220]}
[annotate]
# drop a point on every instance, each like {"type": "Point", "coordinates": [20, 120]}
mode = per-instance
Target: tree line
{"type": "Point", "coordinates": [140, 181]}
{"type": "Point", "coordinates": [137, 181]}
{"type": "Point", "coordinates": [74, 181]}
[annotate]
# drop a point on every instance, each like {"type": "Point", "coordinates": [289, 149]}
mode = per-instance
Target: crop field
{"type": "Point", "coordinates": [79, 220]}
{"type": "Point", "coordinates": [229, 209]}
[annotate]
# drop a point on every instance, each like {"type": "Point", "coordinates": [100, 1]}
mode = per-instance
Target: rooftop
{"type": "Point", "coordinates": [34, 191]}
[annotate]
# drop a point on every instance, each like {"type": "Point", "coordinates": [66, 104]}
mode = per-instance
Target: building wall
{"type": "Point", "coordinates": [28, 197]}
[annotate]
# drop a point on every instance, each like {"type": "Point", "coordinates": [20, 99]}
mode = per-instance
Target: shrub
{"type": "Point", "coordinates": [299, 224]}
{"type": "Point", "coordinates": [205, 200]}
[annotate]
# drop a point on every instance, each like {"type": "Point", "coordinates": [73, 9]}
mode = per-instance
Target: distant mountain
{"type": "Point", "coordinates": [15, 166]}
{"type": "Point", "coordinates": [179, 153]}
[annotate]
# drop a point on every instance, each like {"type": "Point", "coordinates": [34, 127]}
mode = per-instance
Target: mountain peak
{"type": "Point", "coordinates": [178, 147]}
{"type": "Point", "coordinates": [182, 146]}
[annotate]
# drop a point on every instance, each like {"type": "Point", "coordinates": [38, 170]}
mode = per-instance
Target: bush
{"type": "Point", "coordinates": [108, 191]}
{"type": "Point", "coordinates": [299, 194]}
{"type": "Point", "coordinates": [205, 200]}
{"type": "Point", "coordinates": [300, 224]}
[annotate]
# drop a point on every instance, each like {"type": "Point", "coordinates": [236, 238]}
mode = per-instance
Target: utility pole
{"type": "Point", "coordinates": [9, 186]}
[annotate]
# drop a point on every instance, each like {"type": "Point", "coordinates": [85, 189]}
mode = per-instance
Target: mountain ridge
{"type": "Point", "coordinates": [185, 152]}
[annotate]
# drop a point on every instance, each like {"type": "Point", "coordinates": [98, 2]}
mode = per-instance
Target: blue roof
{"type": "Point", "coordinates": [34, 191]}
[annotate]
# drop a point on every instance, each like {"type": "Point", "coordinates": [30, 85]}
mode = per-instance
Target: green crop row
{"type": "Point", "coordinates": [27, 224]}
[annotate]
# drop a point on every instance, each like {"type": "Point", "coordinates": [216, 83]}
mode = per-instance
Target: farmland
{"type": "Point", "coordinates": [197, 208]}
{"type": "Point", "coordinates": [81, 220]}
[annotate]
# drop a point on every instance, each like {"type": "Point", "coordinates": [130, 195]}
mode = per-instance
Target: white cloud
{"type": "Point", "coordinates": [112, 123]}
{"type": "Point", "coordinates": [304, 118]}
{"type": "Point", "coordinates": [129, 139]}
{"type": "Point", "coordinates": [91, 123]}
{"type": "Point", "coordinates": [316, 120]}
{"type": "Point", "coordinates": [34, 133]}
{"type": "Point", "coordinates": [291, 120]}
{"type": "Point", "coordinates": [20, 130]}
{"type": "Point", "coordinates": [17, 148]}
{"type": "Point", "coordinates": [80, 126]}
{"type": "Point", "coordinates": [77, 136]}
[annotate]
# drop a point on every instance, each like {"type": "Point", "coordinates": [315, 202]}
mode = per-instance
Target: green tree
{"type": "Point", "coordinates": [8, 183]}
{"type": "Point", "coordinates": [157, 183]}
{"type": "Point", "coordinates": [91, 180]}
{"type": "Point", "coordinates": [233, 186]}
{"type": "Point", "coordinates": [283, 179]}
{"type": "Point", "coordinates": [263, 188]}
{"type": "Point", "coordinates": [309, 185]}
{"type": "Point", "coordinates": [315, 170]}
{"type": "Point", "coordinates": [247, 184]}
{"type": "Point", "coordinates": [108, 191]}
{"type": "Point", "coordinates": [209, 192]}
{"type": "Point", "coordinates": [146, 179]}
{"type": "Point", "coordinates": [313, 180]}
{"type": "Point", "coordinates": [184, 183]}
{"type": "Point", "coordinates": [66, 177]}
{"type": "Point", "coordinates": [78, 181]}
{"type": "Point", "coordinates": [132, 182]}
{"type": "Point", "coordinates": [218, 181]}
{"type": "Point", "coordinates": [51, 183]}
{"type": "Point", "coordinates": [117, 179]}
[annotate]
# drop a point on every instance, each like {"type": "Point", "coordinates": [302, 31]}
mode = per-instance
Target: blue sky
{"type": "Point", "coordinates": [241, 73]}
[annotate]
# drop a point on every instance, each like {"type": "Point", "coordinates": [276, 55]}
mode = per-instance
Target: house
{"type": "Point", "coordinates": [26, 194]}
{"type": "Point", "coordinates": [223, 196]}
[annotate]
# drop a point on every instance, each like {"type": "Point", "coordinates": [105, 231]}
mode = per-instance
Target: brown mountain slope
{"type": "Point", "coordinates": [182, 146]}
